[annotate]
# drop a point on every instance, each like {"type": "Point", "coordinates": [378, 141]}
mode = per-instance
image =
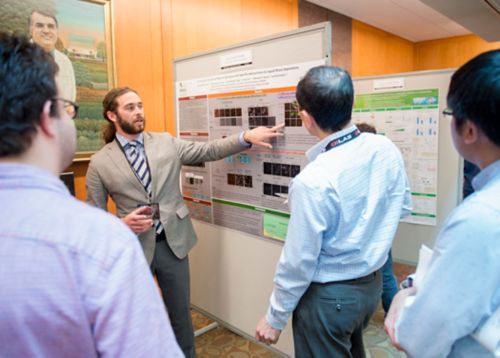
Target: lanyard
{"type": "Point", "coordinates": [337, 142]}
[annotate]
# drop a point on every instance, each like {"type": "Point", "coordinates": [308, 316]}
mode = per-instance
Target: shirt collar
{"type": "Point", "coordinates": [124, 141]}
{"type": "Point", "coordinates": [19, 175]}
{"type": "Point", "coordinates": [319, 147]}
{"type": "Point", "coordinates": [486, 175]}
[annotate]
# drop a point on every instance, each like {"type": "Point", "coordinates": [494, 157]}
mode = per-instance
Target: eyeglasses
{"type": "Point", "coordinates": [70, 107]}
{"type": "Point", "coordinates": [448, 113]}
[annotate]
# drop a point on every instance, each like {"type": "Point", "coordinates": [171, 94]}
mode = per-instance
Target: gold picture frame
{"type": "Point", "coordinates": [79, 34]}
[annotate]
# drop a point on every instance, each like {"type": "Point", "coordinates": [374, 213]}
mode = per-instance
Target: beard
{"type": "Point", "coordinates": [134, 127]}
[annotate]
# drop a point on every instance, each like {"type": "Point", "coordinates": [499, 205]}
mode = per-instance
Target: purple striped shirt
{"type": "Point", "coordinates": [73, 279]}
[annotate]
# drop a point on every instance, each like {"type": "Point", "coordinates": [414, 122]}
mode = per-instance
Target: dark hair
{"type": "Point", "coordinates": [366, 128]}
{"type": "Point", "coordinates": [109, 103]}
{"type": "Point", "coordinates": [108, 132]}
{"type": "Point", "coordinates": [45, 13]}
{"type": "Point", "coordinates": [474, 94]}
{"type": "Point", "coordinates": [26, 84]}
{"type": "Point", "coordinates": [326, 93]}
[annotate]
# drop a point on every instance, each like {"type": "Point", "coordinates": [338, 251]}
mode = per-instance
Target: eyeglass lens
{"type": "Point", "coordinates": [70, 110]}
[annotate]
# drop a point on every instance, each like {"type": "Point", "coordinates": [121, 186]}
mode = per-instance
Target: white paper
{"type": "Point", "coordinates": [389, 83]}
{"type": "Point", "coordinates": [424, 260]}
{"type": "Point", "coordinates": [236, 59]}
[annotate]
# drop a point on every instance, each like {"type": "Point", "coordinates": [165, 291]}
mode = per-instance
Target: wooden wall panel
{"type": "Point", "coordinates": [310, 14]}
{"type": "Point", "coordinates": [266, 17]}
{"type": "Point", "coordinates": [201, 25]}
{"type": "Point", "coordinates": [79, 169]}
{"type": "Point", "coordinates": [450, 52]}
{"type": "Point", "coordinates": [157, 113]}
{"type": "Point", "coordinates": [167, 65]}
{"type": "Point", "coordinates": [139, 56]}
{"type": "Point", "coordinates": [376, 52]}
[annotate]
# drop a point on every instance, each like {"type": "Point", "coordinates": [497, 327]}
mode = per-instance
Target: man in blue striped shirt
{"type": "Point", "coordinates": [345, 207]}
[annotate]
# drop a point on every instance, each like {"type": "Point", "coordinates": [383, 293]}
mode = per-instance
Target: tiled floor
{"type": "Point", "coordinates": [221, 342]}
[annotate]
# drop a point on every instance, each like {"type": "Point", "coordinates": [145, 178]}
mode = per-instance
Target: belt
{"type": "Point", "coordinates": [354, 281]}
{"type": "Point", "coordinates": [373, 274]}
{"type": "Point", "coordinates": [161, 236]}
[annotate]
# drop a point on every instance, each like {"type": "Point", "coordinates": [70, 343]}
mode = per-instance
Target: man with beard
{"type": "Point", "coordinates": [73, 278]}
{"type": "Point", "coordinates": [140, 171]}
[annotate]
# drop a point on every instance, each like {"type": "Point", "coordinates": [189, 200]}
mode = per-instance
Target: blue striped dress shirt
{"type": "Point", "coordinates": [345, 208]}
{"type": "Point", "coordinates": [461, 289]}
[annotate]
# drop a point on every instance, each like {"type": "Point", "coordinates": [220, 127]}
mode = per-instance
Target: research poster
{"type": "Point", "coordinates": [411, 120]}
{"type": "Point", "coordinates": [247, 191]}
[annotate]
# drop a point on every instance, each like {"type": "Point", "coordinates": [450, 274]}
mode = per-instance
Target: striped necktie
{"type": "Point", "coordinates": [140, 166]}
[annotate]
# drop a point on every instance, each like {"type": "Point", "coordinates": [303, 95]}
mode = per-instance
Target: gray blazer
{"type": "Point", "coordinates": [109, 173]}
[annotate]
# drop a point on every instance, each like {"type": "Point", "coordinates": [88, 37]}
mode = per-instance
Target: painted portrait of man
{"type": "Point", "coordinates": [43, 29]}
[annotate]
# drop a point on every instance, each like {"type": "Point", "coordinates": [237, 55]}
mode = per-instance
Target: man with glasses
{"type": "Point", "coordinates": [70, 107]}
{"type": "Point", "coordinates": [43, 29]}
{"type": "Point", "coordinates": [461, 289]}
{"type": "Point", "coordinates": [74, 281]}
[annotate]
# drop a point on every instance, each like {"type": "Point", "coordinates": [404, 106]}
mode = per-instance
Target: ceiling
{"type": "Point", "coordinates": [416, 21]}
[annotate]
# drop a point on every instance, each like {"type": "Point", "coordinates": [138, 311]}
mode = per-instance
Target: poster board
{"type": "Point", "coordinates": [219, 93]}
{"type": "Point", "coordinates": [407, 108]}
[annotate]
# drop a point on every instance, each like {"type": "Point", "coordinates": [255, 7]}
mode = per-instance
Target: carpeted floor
{"type": "Point", "coordinates": [221, 342]}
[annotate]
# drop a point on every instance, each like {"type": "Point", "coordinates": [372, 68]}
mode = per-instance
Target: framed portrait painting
{"type": "Point", "coordinates": [78, 34]}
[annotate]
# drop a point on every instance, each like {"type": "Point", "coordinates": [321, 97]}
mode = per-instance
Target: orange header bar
{"type": "Point", "coordinates": [192, 97]}
{"type": "Point", "coordinates": [252, 92]}
{"type": "Point", "coordinates": [194, 134]}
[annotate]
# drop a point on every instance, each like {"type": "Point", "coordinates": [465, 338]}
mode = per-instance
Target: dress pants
{"type": "Point", "coordinates": [330, 317]}
{"type": "Point", "coordinates": [173, 278]}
